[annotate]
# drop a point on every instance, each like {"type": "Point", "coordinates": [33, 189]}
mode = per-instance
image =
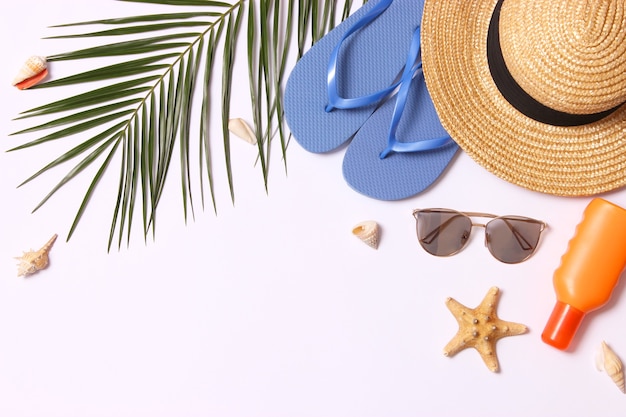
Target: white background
{"type": "Point", "coordinates": [271, 307]}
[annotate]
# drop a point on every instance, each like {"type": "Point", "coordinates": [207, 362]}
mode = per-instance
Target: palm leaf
{"type": "Point", "coordinates": [143, 113]}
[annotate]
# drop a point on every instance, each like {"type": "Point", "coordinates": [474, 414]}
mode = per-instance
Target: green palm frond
{"type": "Point", "coordinates": [143, 113]}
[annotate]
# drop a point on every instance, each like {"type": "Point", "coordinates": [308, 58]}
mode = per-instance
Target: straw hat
{"type": "Point", "coordinates": [534, 91]}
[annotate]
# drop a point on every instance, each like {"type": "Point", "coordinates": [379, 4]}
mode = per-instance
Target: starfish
{"type": "Point", "coordinates": [480, 328]}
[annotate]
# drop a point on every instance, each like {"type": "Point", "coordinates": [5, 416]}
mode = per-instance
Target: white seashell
{"type": "Point", "coordinates": [240, 128]}
{"type": "Point", "coordinates": [33, 261]}
{"type": "Point", "coordinates": [608, 361]}
{"type": "Point", "coordinates": [368, 232]}
{"type": "Point", "coordinates": [33, 66]}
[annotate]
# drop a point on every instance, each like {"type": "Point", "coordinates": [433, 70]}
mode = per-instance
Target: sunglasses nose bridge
{"type": "Point", "coordinates": [484, 226]}
{"type": "Point", "coordinates": [487, 240]}
{"type": "Point", "coordinates": [467, 235]}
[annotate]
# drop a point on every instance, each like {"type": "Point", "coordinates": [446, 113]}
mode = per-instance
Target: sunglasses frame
{"type": "Point", "coordinates": [469, 214]}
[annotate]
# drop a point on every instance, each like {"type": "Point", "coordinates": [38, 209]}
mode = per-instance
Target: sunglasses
{"type": "Point", "coordinates": [510, 239]}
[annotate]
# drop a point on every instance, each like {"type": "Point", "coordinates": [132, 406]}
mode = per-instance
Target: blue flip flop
{"type": "Point", "coordinates": [402, 148]}
{"type": "Point", "coordinates": [370, 48]}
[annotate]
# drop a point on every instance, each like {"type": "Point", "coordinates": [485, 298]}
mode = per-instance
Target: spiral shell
{"type": "Point", "coordinates": [33, 261]}
{"type": "Point", "coordinates": [368, 232]}
{"type": "Point", "coordinates": [240, 128]}
{"type": "Point", "coordinates": [608, 361]}
{"type": "Point", "coordinates": [33, 66]}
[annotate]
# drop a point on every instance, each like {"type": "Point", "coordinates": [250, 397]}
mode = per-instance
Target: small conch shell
{"type": "Point", "coordinates": [368, 232]}
{"type": "Point", "coordinates": [608, 361]}
{"type": "Point", "coordinates": [240, 128]}
{"type": "Point", "coordinates": [35, 65]}
{"type": "Point", "coordinates": [33, 261]}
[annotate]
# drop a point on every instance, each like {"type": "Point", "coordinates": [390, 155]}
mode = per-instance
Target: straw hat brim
{"type": "Point", "coordinates": [560, 160]}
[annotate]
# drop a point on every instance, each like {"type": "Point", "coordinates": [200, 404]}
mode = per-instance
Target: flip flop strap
{"type": "Point", "coordinates": [334, 100]}
{"type": "Point", "coordinates": [411, 68]}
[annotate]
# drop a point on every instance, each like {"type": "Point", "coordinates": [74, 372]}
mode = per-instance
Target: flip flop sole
{"type": "Point", "coordinates": [369, 60]}
{"type": "Point", "coordinates": [399, 175]}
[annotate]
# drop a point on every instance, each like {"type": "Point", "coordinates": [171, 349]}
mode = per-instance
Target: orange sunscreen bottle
{"type": "Point", "coordinates": [589, 270]}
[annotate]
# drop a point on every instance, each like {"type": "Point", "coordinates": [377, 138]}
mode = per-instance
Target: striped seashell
{"type": "Point", "coordinates": [609, 362]}
{"type": "Point", "coordinates": [368, 232]}
{"type": "Point", "coordinates": [33, 66]}
{"type": "Point", "coordinates": [240, 128]}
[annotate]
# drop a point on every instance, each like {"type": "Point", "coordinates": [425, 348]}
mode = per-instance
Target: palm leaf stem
{"type": "Point", "coordinates": [176, 92]}
{"type": "Point", "coordinates": [155, 109]}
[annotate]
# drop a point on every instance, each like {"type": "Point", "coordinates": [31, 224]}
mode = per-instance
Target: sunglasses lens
{"type": "Point", "coordinates": [512, 239]}
{"type": "Point", "coordinates": [442, 232]}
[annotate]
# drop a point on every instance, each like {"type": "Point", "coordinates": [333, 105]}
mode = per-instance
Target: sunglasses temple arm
{"type": "Point", "coordinates": [434, 234]}
{"type": "Point", "coordinates": [523, 243]}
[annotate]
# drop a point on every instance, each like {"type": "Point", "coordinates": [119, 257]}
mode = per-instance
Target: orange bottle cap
{"type": "Point", "coordinates": [562, 325]}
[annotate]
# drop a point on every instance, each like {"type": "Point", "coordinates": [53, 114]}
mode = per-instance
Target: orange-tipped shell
{"type": "Point", "coordinates": [33, 66]}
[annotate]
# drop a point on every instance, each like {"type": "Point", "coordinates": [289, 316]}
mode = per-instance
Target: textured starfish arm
{"type": "Point", "coordinates": [455, 345]}
{"type": "Point", "coordinates": [487, 351]}
{"type": "Point", "coordinates": [499, 330]}
{"type": "Point", "coordinates": [480, 328]}
{"type": "Point", "coordinates": [490, 302]}
{"type": "Point", "coordinates": [508, 328]}
{"type": "Point", "coordinates": [458, 310]}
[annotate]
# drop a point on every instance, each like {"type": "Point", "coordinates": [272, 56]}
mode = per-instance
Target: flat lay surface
{"type": "Point", "coordinates": [271, 307]}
